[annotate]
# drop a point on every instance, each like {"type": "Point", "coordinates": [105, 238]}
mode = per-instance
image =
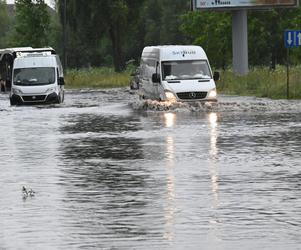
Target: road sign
{"type": "Point", "coordinates": [292, 38]}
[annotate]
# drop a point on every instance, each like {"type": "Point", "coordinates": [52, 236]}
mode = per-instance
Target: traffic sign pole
{"type": "Point", "coordinates": [292, 39]}
{"type": "Point", "coordinates": [287, 73]}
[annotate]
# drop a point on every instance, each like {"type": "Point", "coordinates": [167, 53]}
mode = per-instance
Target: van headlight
{"type": "Point", "coordinates": [50, 90]}
{"type": "Point", "coordinates": [16, 91]}
{"type": "Point", "coordinates": [212, 93]}
{"type": "Point", "coordinates": [170, 96]}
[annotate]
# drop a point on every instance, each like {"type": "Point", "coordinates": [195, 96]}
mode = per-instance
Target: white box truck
{"type": "Point", "coordinates": [176, 73]}
{"type": "Point", "coordinates": [37, 77]}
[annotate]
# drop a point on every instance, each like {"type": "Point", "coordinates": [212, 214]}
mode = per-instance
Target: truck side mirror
{"type": "Point", "coordinates": [216, 76]}
{"type": "Point", "coordinates": [156, 78]}
{"type": "Point", "coordinates": [61, 81]}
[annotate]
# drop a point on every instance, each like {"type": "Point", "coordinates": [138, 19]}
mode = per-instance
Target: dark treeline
{"type": "Point", "coordinates": [114, 32]}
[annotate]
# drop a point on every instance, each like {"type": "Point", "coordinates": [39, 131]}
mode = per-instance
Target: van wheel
{"type": "Point", "coordinates": [12, 102]}
{"type": "Point", "coordinates": [62, 97]}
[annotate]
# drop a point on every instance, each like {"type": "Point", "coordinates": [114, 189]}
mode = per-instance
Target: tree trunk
{"type": "Point", "coordinates": [273, 58]}
{"type": "Point", "coordinates": [117, 49]}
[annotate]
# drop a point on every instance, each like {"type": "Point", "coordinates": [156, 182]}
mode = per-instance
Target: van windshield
{"type": "Point", "coordinates": [34, 76]}
{"type": "Point", "coordinates": [185, 70]}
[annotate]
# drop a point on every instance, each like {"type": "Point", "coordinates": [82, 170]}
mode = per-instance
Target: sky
{"type": "Point", "coordinates": [49, 2]}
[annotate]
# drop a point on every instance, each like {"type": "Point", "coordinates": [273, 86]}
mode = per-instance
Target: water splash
{"type": "Point", "coordinates": [224, 104]}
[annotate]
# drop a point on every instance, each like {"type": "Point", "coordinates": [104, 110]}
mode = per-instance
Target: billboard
{"type": "Point", "coordinates": [242, 4]}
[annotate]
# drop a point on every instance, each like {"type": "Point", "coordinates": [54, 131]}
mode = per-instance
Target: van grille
{"type": "Point", "coordinates": [191, 95]}
{"type": "Point", "coordinates": [34, 98]}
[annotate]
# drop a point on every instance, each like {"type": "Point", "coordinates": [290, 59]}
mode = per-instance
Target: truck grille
{"type": "Point", "coordinates": [34, 98]}
{"type": "Point", "coordinates": [191, 95]}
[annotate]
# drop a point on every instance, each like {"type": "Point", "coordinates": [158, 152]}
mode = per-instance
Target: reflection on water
{"type": "Point", "coordinates": [109, 176]}
{"type": "Point", "coordinates": [169, 119]}
{"type": "Point", "coordinates": [170, 182]}
{"type": "Point", "coordinates": [213, 119]}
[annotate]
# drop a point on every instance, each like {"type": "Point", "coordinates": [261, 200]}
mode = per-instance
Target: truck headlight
{"type": "Point", "coordinates": [16, 91]}
{"type": "Point", "coordinates": [212, 93]}
{"type": "Point", "coordinates": [170, 96]}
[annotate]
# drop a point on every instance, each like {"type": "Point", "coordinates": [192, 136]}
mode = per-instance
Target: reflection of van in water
{"type": "Point", "coordinates": [176, 73]}
{"type": "Point", "coordinates": [37, 78]}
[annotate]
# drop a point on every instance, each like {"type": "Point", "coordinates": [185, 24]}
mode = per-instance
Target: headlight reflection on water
{"type": "Point", "coordinates": [170, 210]}
{"type": "Point", "coordinates": [169, 215]}
{"type": "Point", "coordinates": [169, 119]}
{"type": "Point", "coordinates": [213, 120]}
{"type": "Point", "coordinates": [213, 152]}
{"type": "Point", "coordinates": [170, 185]}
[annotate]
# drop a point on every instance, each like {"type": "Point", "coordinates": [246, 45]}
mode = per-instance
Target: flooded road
{"type": "Point", "coordinates": [112, 172]}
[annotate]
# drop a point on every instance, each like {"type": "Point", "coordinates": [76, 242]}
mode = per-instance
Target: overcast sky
{"type": "Point", "coordinates": [49, 2]}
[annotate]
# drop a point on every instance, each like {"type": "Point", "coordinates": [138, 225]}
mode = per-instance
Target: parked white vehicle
{"type": "Point", "coordinates": [37, 77]}
{"type": "Point", "coordinates": [176, 73]}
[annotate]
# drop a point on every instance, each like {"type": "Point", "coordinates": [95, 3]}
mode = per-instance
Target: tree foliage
{"type": "Point", "coordinates": [32, 24]}
{"type": "Point", "coordinates": [4, 23]}
{"type": "Point", "coordinates": [113, 32]}
{"type": "Point", "coordinates": [119, 28]}
{"type": "Point", "coordinates": [212, 31]}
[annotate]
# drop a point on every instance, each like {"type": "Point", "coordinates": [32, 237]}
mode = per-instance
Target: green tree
{"type": "Point", "coordinates": [32, 24]}
{"type": "Point", "coordinates": [5, 24]}
{"type": "Point", "coordinates": [266, 31]}
{"type": "Point", "coordinates": [91, 24]}
{"type": "Point", "coordinates": [172, 10]}
{"type": "Point", "coordinates": [114, 31]}
{"type": "Point", "coordinates": [212, 31]}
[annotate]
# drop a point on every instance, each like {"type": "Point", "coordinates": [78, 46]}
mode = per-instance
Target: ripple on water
{"type": "Point", "coordinates": [109, 177]}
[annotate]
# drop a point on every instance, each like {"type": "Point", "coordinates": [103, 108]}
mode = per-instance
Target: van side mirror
{"type": "Point", "coordinates": [61, 81]}
{"type": "Point", "coordinates": [216, 76]}
{"type": "Point", "coordinates": [156, 78]}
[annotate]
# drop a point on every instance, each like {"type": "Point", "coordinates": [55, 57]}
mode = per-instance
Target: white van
{"type": "Point", "coordinates": [176, 73]}
{"type": "Point", "coordinates": [37, 77]}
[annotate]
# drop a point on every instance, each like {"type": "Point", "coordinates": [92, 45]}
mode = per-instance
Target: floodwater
{"type": "Point", "coordinates": [112, 172]}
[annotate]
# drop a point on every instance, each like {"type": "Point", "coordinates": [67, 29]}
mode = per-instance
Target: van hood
{"type": "Point", "coordinates": [34, 90]}
{"type": "Point", "coordinates": [189, 85]}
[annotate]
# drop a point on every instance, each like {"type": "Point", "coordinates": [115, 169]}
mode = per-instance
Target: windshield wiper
{"type": "Point", "coordinates": [22, 83]}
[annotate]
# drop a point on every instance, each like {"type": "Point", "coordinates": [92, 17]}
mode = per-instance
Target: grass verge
{"type": "Point", "coordinates": [263, 82]}
{"type": "Point", "coordinates": [96, 78]}
{"type": "Point", "coordinates": [260, 81]}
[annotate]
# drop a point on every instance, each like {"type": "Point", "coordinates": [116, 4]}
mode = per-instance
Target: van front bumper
{"type": "Point", "coordinates": [34, 99]}
{"type": "Point", "coordinates": [195, 96]}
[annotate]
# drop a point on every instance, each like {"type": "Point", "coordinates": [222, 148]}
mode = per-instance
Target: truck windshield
{"type": "Point", "coordinates": [34, 76]}
{"type": "Point", "coordinates": [185, 70]}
